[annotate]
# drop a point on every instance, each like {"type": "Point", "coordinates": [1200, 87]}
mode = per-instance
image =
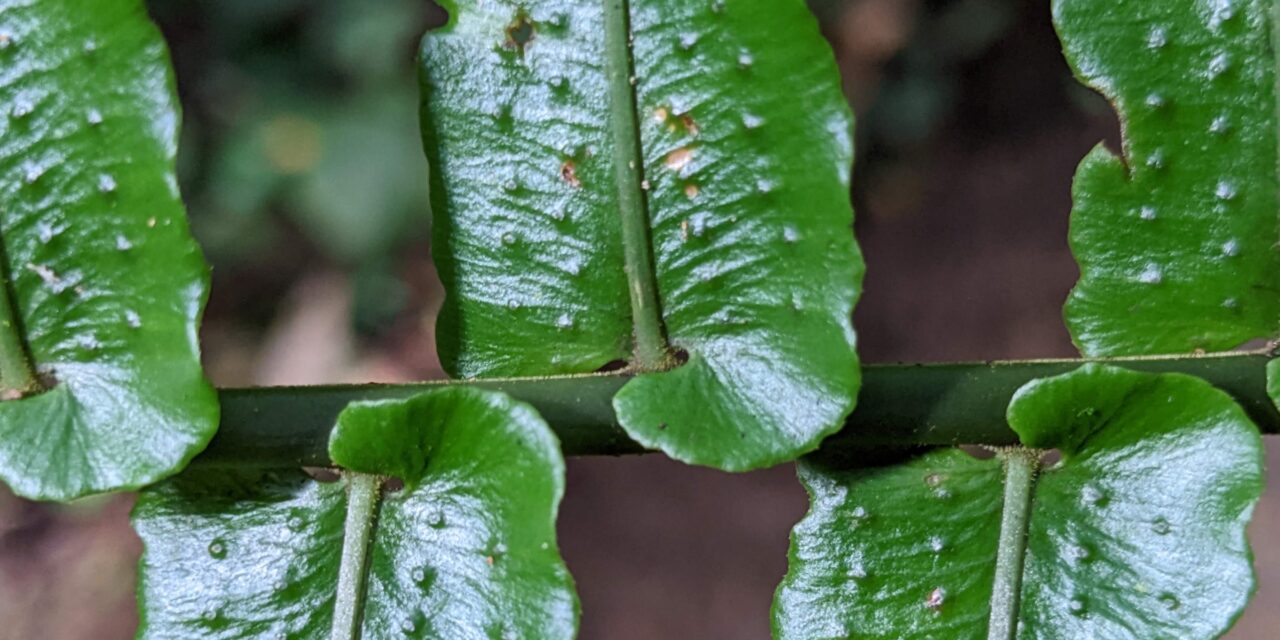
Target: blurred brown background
{"type": "Point", "coordinates": [303, 173]}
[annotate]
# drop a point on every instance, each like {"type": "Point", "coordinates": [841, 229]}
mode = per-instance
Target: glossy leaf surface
{"type": "Point", "coordinates": [729, 145]}
{"type": "Point", "coordinates": [465, 550]}
{"type": "Point", "coordinates": [1176, 240]}
{"type": "Point", "coordinates": [105, 283]}
{"type": "Point", "coordinates": [1137, 532]}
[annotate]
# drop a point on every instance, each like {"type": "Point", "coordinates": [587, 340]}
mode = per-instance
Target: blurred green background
{"type": "Point", "coordinates": [302, 168]}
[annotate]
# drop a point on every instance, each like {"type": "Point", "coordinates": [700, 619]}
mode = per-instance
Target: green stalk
{"type": "Point", "coordinates": [651, 353]}
{"type": "Point", "coordinates": [1020, 466]}
{"type": "Point", "coordinates": [16, 375]}
{"type": "Point", "coordinates": [362, 512]}
{"type": "Point", "coordinates": [900, 405]}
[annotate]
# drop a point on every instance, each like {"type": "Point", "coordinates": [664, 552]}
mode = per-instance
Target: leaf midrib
{"type": "Point", "coordinates": [1020, 469]}
{"type": "Point", "coordinates": [17, 377]}
{"type": "Point", "coordinates": [363, 499]}
{"type": "Point", "coordinates": [651, 352]}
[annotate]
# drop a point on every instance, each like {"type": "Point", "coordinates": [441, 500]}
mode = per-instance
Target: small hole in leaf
{"type": "Point", "coordinates": [393, 485]}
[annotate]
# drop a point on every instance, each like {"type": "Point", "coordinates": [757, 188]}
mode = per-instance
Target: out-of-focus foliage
{"type": "Point", "coordinates": [301, 120]}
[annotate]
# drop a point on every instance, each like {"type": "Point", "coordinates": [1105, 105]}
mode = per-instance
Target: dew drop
{"type": "Point", "coordinates": [106, 183]}
{"type": "Point", "coordinates": [1230, 303]}
{"type": "Point", "coordinates": [935, 599]}
{"type": "Point", "coordinates": [687, 40]}
{"type": "Point", "coordinates": [34, 172]}
{"type": "Point", "coordinates": [1149, 275]}
{"type": "Point", "coordinates": [88, 342]}
{"type": "Point", "coordinates": [1091, 494]}
{"type": "Point", "coordinates": [1147, 213]}
{"type": "Point", "coordinates": [510, 185]}
{"type": "Point", "coordinates": [1081, 553]}
{"type": "Point", "coordinates": [745, 59]}
{"type": "Point", "coordinates": [218, 549]}
{"type": "Point", "coordinates": [937, 544]}
{"type": "Point", "coordinates": [1226, 191]}
{"type": "Point", "coordinates": [21, 109]}
{"type": "Point", "coordinates": [436, 517]}
{"type": "Point", "coordinates": [280, 585]}
{"type": "Point", "coordinates": [408, 625]}
{"type": "Point", "coordinates": [209, 614]}
{"type": "Point", "coordinates": [859, 515]}
{"type": "Point", "coordinates": [565, 321]}
{"type": "Point", "coordinates": [1169, 601]}
{"type": "Point", "coordinates": [790, 234]}
{"type": "Point", "coordinates": [752, 121]}
{"type": "Point", "coordinates": [45, 232]}
{"type": "Point", "coordinates": [1076, 607]}
{"type": "Point", "coordinates": [295, 522]}
{"type": "Point", "coordinates": [93, 117]}
{"type": "Point", "coordinates": [764, 185]}
{"type": "Point", "coordinates": [857, 571]}
{"type": "Point", "coordinates": [513, 304]}
{"type": "Point", "coordinates": [1161, 527]}
{"type": "Point", "coordinates": [1231, 248]}
{"type": "Point", "coordinates": [132, 318]}
{"type": "Point", "coordinates": [1219, 65]}
{"type": "Point", "coordinates": [419, 575]}
{"type": "Point", "coordinates": [1158, 38]}
{"type": "Point", "coordinates": [717, 6]}
{"type": "Point", "coordinates": [1220, 126]}
{"type": "Point", "coordinates": [1156, 101]}
{"type": "Point", "coordinates": [1156, 160]}
{"type": "Point", "coordinates": [508, 238]}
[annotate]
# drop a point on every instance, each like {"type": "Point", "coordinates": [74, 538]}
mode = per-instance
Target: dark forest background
{"type": "Point", "coordinates": [305, 180]}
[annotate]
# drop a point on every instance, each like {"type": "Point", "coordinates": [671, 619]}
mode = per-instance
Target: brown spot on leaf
{"type": "Point", "coordinates": [691, 190]}
{"type": "Point", "coordinates": [679, 159]}
{"type": "Point", "coordinates": [520, 32]}
{"type": "Point", "coordinates": [689, 124]}
{"type": "Point", "coordinates": [569, 172]}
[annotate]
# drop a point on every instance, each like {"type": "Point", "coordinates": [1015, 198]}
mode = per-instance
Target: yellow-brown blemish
{"type": "Point", "coordinates": [569, 172]}
{"type": "Point", "coordinates": [679, 159]}
{"type": "Point", "coordinates": [689, 124]}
